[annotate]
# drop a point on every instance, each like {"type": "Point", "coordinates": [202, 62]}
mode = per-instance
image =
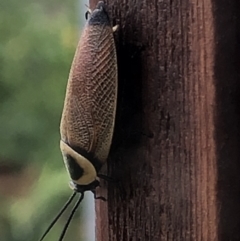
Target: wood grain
{"type": "Point", "coordinates": [176, 143]}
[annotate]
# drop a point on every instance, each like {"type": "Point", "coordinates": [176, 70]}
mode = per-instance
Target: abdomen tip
{"type": "Point", "coordinates": [99, 15]}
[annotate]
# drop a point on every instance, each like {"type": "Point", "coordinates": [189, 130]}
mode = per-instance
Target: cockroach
{"type": "Point", "coordinates": [89, 110]}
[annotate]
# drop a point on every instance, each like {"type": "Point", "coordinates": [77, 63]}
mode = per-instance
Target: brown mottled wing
{"type": "Point", "coordinates": [90, 103]}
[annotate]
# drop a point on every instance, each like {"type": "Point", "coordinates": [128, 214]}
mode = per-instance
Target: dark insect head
{"type": "Point", "coordinates": [83, 188]}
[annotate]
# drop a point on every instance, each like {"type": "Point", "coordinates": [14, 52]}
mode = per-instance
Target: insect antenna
{"type": "Point", "coordinates": [70, 217]}
{"type": "Point", "coordinates": [58, 216]}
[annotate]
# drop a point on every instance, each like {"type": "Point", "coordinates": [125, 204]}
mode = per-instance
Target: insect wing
{"type": "Point", "coordinates": [90, 104]}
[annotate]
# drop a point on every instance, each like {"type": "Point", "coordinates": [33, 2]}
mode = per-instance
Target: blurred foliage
{"type": "Point", "coordinates": [37, 43]}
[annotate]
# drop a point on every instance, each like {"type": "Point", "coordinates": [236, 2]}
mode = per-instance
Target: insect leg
{"type": "Point", "coordinates": [89, 12]}
{"type": "Point", "coordinates": [106, 178]}
{"type": "Point", "coordinates": [95, 196]}
{"type": "Point", "coordinates": [115, 28]}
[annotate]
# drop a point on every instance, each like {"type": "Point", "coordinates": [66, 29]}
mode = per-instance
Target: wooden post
{"type": "Point", "coordinates": [176, 144]}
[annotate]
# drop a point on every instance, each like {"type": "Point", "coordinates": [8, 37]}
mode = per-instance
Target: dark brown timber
{"type": "Point", "coordinates": [176, 145]}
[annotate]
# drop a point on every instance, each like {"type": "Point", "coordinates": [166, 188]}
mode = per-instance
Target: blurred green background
{"type": "Point", "coordinates": [37, 44]}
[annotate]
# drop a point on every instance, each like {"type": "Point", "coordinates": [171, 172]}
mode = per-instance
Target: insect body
{"type": "Point", "coordinates": [89, 109]}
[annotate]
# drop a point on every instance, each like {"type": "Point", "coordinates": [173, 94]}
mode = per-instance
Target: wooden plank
{"type": "Point", "coordinates": [176, 143]}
